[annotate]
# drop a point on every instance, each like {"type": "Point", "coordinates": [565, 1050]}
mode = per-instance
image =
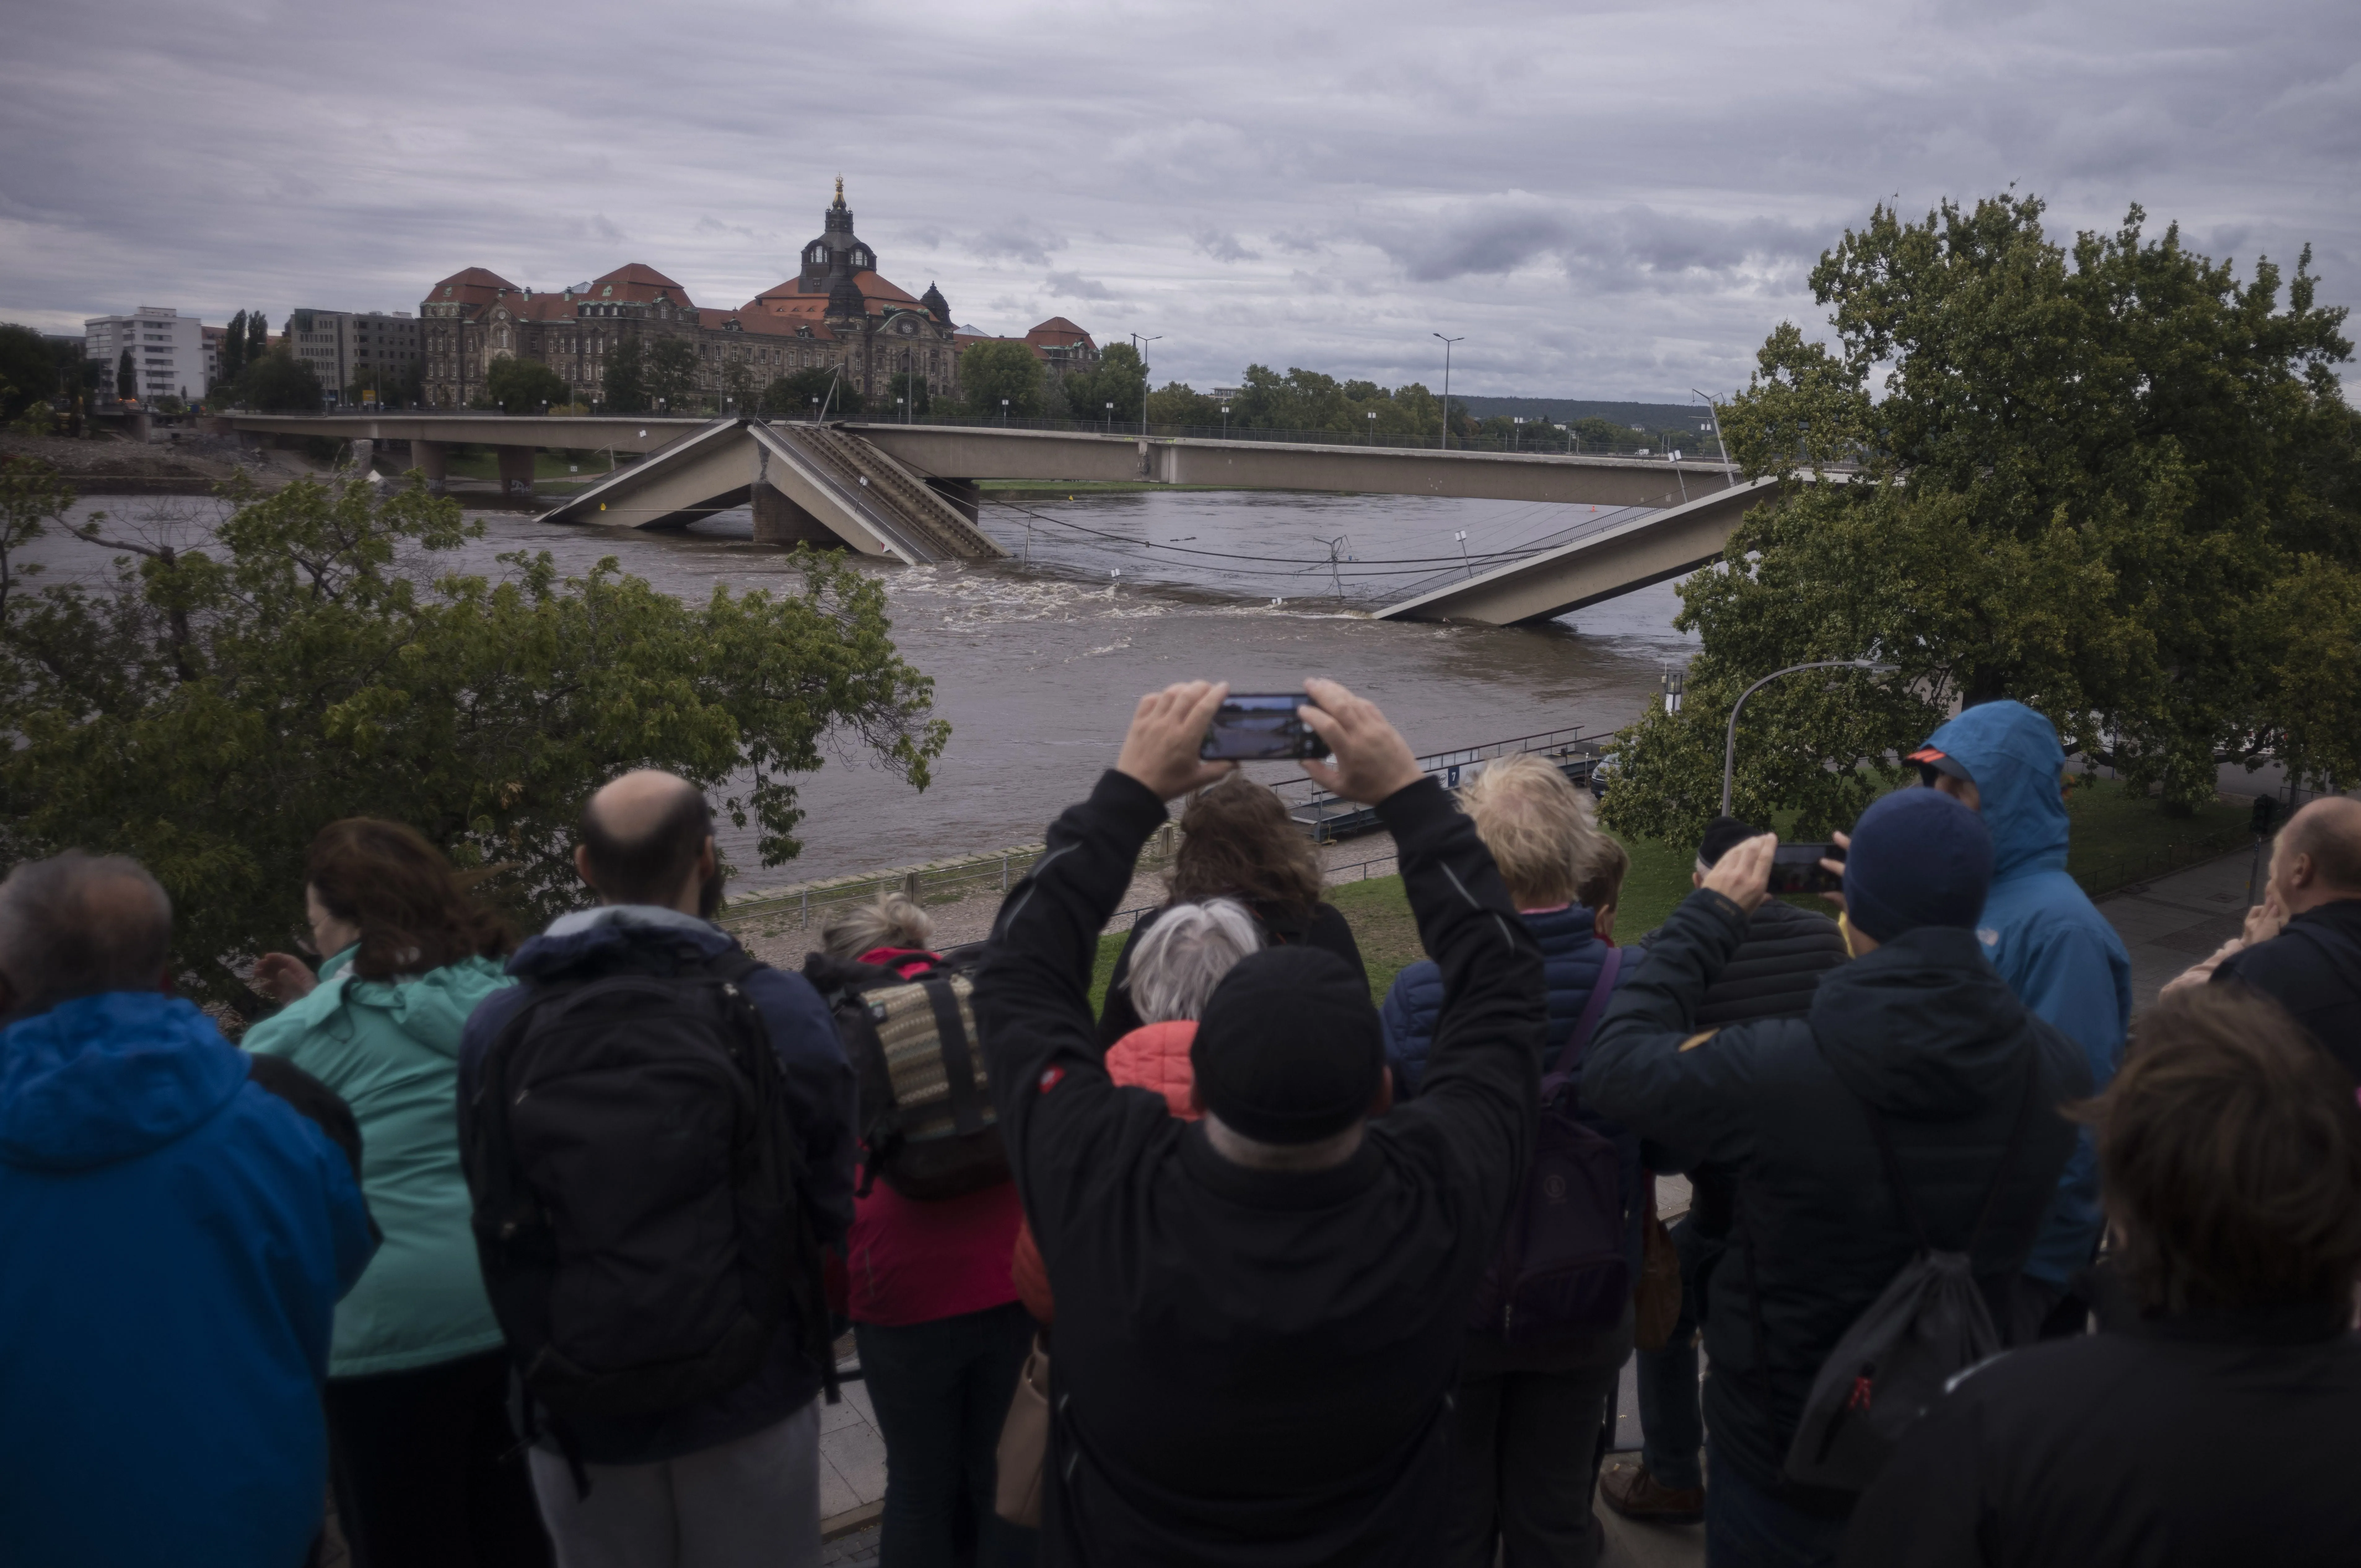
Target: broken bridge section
{"type": "Point", "coordinates": [810, 482]}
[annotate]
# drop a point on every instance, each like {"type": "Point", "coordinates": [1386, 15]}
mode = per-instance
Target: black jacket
{"type": "Point", "coordinates": [1774, 975]}
{"type": "Point", "coordinates": [2209, 1439]}
{"type": "Point", "coordinates": [1327, 930]}
{"type": "Point", "coordinates": [2312, 968]}
{"type": "Point", "coordinates": [1922, 1028]}
{"type": "Point", "coordinates": [1253, 1367]}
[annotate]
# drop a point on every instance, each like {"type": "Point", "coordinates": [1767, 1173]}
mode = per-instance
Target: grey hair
{"type": "Point", "coordinates": [79, 924]}
{"type": "Point", "coordinates": [893, 921]}
{"type": "Point", "coordinates": [1184, 955]}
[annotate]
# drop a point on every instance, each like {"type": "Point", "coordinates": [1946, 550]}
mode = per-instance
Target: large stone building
{"type": "Point", "coordinates": [836, 313]}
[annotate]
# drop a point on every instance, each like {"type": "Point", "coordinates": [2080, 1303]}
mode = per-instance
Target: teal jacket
{"type": "Point", "coordinates": [391, 1049]}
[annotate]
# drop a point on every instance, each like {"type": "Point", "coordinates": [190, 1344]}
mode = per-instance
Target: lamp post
{"type": "Point", "coordinates": [1447, 342]}
{"type": "Point", "coordinates": [1728, 467]}
{"type": "Point", "coordinates": [1373, 427]}
{"type": "Point", "coordinates": [1226, 422]}
{"type": "Point", "coordinates": [1135, 341]}
{"type": "Point", "coordinates": [1109, 419]}
{"type": "Point", "coordinates": [1729, 747]}
{"type": "Point", "coordinates": [1004, 413]}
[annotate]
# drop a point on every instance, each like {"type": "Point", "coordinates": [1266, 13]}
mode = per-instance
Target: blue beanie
{"type": "Point", "coordinates": [1918, 857]}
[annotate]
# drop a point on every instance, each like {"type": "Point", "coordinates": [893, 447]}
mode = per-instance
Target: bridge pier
{"type": "Point", "coordinates": [964, 494]}
{"type": "Point", "coordinates": [516, 470]}
{"type": "Point", "coordinates": [779, 521]}
{"type": "Point", "coordinates": [433, 459]}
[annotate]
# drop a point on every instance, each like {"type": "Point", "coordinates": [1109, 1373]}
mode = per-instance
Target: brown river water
{"type": "Point", "coordinates": [1036, 661]}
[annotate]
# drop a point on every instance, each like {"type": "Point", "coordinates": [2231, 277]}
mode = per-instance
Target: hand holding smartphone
{"type": "Point", "coordinates": [1261, 727]}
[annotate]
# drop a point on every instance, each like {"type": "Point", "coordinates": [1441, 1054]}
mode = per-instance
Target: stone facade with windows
{"type": "Point", "coordinates": [362, 354]}
{"type": "Point", "coordinates": [166, 348]}
{"type": "Point", "coordinates": [837, 314]}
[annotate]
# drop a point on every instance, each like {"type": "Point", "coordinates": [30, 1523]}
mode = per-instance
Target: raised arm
{"type": "Point", "coordinates": [1481, 1088]}
{"type": "Point", "coordinates": [1050, 1085]}
{"type": "Point", "coordinates": [1649, 1066]}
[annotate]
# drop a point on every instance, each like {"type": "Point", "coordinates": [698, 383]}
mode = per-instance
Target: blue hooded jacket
{"type": "Point", "coordinates": [2047, 940]}
{"type": "Point", "coordinates": [173, 1239]}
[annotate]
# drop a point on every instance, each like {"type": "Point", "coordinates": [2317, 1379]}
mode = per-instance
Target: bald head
{"type": "Point", "coordinates": [647, 837]}
{"type": "Point", "coordinates": [2318, 858]}
{"type": "Point", "coordinates": [77, 924]}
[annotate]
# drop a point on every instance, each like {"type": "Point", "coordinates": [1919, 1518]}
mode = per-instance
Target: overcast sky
{"type": "Point", "coordinates": [1605, 201]}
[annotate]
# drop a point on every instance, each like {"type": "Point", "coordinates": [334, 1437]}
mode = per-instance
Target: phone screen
{"type": "Point", "coordinates": [1261, 727]}
{"type": "Point", "coordinates": [1795, 867]}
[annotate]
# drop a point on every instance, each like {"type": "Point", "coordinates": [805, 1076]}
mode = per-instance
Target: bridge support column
{"type": "Point", "coordinates": [964, 494]}
{"type": "Point", "coordinates": [779, 521]}
{"type": "Point", "coordinates": [516, 470]}
{"type": "Point", "coordinates": [432, 458]}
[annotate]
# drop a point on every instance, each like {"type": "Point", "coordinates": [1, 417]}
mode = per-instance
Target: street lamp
{"type": "Point", "coordinates": [1226, 422]}
{"type": "Point", "coordinates": [1729, 747]}
{"type": "Point", "coordinates": [1447, 342]}
{"type": "Point", "coordinates": [1109, 419]}
{"type": "Point", "coordinates": [1135, 341]}
{"type": "Point", "coordinates": [1004, 413]}
{"type": "Point", "coordinates": [1728, 467]}
{"type": "Point", "coordinates": [1373, 427]}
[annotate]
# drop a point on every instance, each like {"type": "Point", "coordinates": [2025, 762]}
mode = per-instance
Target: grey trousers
{"type": "Point", "coordinates": [750, 1503]}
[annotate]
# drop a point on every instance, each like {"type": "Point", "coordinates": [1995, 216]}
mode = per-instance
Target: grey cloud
{"type": "Point", "coordinates": [1223, 246]}
{"type": "Point", "coordinates": [1019, 243]}
{"type": "Point", "coordinates": [1073, 285]}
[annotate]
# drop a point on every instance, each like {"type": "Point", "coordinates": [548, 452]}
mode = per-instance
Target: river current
{"type": "Point", "coordinates": [1038, 660]}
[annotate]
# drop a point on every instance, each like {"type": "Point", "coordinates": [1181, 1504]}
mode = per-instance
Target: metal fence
{"type": "Point", "coordinates": [1540, 442]}
{"type": "Point", "coordinates": [2120, 872]}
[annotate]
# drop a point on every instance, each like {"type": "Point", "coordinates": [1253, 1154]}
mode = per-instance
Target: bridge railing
{"type": "Point", "coordinates": [1329, 818]}
{"type": "Point", "coordinates": [1541, 442]}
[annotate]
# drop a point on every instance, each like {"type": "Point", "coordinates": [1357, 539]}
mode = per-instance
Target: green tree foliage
{"type": "Point", "coordinates": [1003, 368]}
{"type": "Point", "coordinates": [910, 385]}
{"type": "Point", "coordinates": [1119, 378]}
{"type": "Point", "coordinates": [738, 386]}
{"type": "Point", "coordinates": [232, 349]}
{"type": "Point", "coordinates": [2111, 481]}
{"type": "Point", "coordinates": [27, 372]}
{"type": "Point", "coordinates": [806, 391]}
{"type": "Point", "coordinates": [258, 335]}
{"type": "Point", "coordinates": [1310, 400]}
{"type": "Point", "coordinates": [316, 655]}
{"type": "Point", "coordinates": [1177, 403]}
{"type": "Point", "coordinates": [627, 378]}
{"type": "Point", "coordinates": [126, 379]}
{"type": "Point", "coordinates": [278, 382]}
{"type": "Point", "coordinates": [671, 372]}
{"type": "Point", "coordinates": [522, 385]}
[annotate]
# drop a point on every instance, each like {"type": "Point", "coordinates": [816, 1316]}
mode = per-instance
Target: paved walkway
{"type": "Point", "coordinates": [2173, 921]}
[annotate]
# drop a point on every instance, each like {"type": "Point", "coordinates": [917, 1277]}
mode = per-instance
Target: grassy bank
{"type": "Point", "coordinates": [2115, 837]}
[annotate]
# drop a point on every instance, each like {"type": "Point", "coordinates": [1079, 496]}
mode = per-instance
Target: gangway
{"type": "Point", "coordinates": [1577, 753]}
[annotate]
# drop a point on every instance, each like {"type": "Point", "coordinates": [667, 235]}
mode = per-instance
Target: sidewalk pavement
{"type": "Point", "coordinates": [2170, 923]}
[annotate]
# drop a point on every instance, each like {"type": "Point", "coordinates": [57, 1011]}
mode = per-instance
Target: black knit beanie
{"type": "Point", "coordinates": [1289, 1048]}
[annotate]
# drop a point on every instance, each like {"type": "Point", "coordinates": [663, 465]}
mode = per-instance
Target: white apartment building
{"type": "Point", "coordinates": [168, 351]}
{"type": "Point", "coordinates": [368, 349]}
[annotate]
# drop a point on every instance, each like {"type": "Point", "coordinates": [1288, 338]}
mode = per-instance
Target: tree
{"type": "Point", "coordinates": [126, 379]}
{"type": "Point", "coordinates": [278, 382]}
{"type": "Point", "coordinates": [909, 389]}
{"type": "Point", "coordinates": [738, 386]}
{"type": "Point", "coordinates": [314, 656]}
{"type": "Point", "coordinates": [1119, 378]}
{"type": "Point", "coordinates": [2116, 484]}
{"type": "Point", "coordinates": [806, 391]}
{"type": "Point", "coordinates": [998, 368]}
{"type": "Point", "coordinates": [522, 385]}
{"type": "Point", "coordinates": [1178, 404]}
{"type": "Point", "coordinates": [258, 335]}
{"type": "Point", "coordinates": [29, 374]}
{"type": "Point", "coordinates": [627, 383]}
{"type": "Point", "coordinates": [232, 349]}
{"type": "Point", "coordinates": [672, 371]}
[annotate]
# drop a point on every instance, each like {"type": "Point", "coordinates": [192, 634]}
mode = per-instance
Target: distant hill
{"type": "Point", "coordinates": [1562, 410]}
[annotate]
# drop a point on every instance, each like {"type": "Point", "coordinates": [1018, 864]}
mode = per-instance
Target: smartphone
{"type": "Point", "coordinates": [1795, 867]}
{"type": "Point", "coordinates": [1252, 726]}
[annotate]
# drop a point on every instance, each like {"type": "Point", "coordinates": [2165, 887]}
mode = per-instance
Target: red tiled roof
{"type": "Point", "coordinates": [707, 317]}
{"type": "Point", "coordinates": [637, 281]}
{"type": "Point", "coordinates": [1059, 331]}
{"type": "Point", "coordinates": [542, 307]}
{"type": "Point", "coordinates": [875, 291]}
{"type": "Point", "coordinates": [474, 286]}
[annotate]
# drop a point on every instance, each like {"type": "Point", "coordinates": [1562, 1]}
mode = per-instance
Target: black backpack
{"type": "Point", "coordinates": [1564, 1267]}
{"type": "Point", "coordinates": [636, 1191]}
{"type": "Point", "coordinates": [1903, 1353]}
{"type": "Point", "coordinates": [927, 1117]}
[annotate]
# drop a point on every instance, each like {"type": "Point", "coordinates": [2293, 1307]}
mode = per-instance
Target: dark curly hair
{"type": "Point", "coordinates": [2231, 1152]}
{"type": "Point", "coordinates": [413, 911]}
{"type": "Point", "coordinates": [1237, 841]}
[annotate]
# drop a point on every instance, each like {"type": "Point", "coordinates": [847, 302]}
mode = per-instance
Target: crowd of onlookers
{"type": "Point", "coordinates": [539, 1252]}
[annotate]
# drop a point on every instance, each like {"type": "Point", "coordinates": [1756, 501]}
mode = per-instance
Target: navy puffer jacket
{"type": "Point", "coordinates": [1572, 955]}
